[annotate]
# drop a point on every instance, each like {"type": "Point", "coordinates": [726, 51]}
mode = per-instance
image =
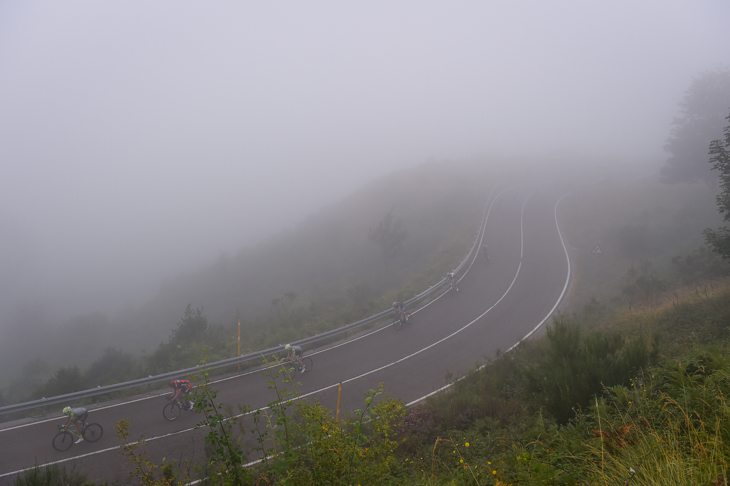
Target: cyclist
{"type": "Point", "coordinates": [451, 280]}
{"type": "Point", "coordinates": [399, 308]}
{"type": "Point", "coordinates": [295, 352]}
{"type": "Point", "coordinates": [180, 388]}
{"type": "Point", "coordinates": [76, 416]}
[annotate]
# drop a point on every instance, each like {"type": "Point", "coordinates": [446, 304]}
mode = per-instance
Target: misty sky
{"type": "Point", "coordinates": [142, 139]}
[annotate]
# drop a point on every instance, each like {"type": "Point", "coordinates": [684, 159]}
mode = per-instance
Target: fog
{"type": "Point", "coordinates": [139, 140]}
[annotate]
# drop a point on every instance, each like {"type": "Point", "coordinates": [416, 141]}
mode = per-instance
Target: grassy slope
{"type": "Point", "coordinates": [667, 422]}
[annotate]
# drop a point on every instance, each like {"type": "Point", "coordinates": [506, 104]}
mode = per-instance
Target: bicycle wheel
{"type": "Point", "coordinates": [63, 440]}
{"type": "Point", "coordinates": [171, 411]}
{"type": "Point", "coordinates": [93, 432]}
{"type": "Point", "coordinates": [397, 324]}
{"type": "Point", "coordinates": [408, 317]}
{"type": "Point", "coordinates": [307, 363]}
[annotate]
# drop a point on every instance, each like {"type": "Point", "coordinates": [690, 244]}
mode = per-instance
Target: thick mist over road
{"type": "Point", "coordinates": [140, 140]}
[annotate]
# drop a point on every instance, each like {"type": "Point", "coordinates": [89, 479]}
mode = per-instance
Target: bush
{"type": "Point", "coordinates": [574, 367]}
{"type": "Point", "coordinates": [53, 475]}
{"type": "Point", "coordinates": [65, 380]}
{"type": "Point", "coordinates": [700, 264]}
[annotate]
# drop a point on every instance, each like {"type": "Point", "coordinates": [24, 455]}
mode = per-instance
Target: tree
{"type": "Point", "coordinates": [114, 366]}
{"type": "Point", "coordinates": [191, 327]}
{"type": "Point", "coordinates": [389, 235]}
{"type": "Point", "coordinates": [701, 120]}
{"type": "Point", "coordinates": [65, 380]}
{"type": "Point", "coordinates": [719, 240]}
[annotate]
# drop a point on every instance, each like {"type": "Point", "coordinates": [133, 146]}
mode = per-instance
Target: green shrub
{"type": "Point", "coordinates": [575, 366]}
{"type": "Point", "coordinates": [52, 475]}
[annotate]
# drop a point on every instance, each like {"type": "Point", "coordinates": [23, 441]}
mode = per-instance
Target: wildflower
{"type": "Point", "coordinates": [461, 460]}
{"type": "Point", "coordinates": [494, 472]}
{"type": "Point", "coordinates": [467, 444]}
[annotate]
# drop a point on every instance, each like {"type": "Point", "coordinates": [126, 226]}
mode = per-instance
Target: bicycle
{"type": "Point", "coordinates": [306, 361]}
{"type": "Point", "coordinates": [172, 410]}
{"type": "Point", "coordinates": [453, 286]}
{"type": "Point", "coordinates": [401, 318]}
{"type": "Point", "coordinates": [68, 436]}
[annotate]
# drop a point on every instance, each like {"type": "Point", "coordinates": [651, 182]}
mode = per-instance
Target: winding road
{"type": "Point", "coordinates": [500, 302]}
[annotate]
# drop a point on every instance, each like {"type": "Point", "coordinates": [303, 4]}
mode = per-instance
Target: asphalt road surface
{"type": "Point", "coordinates": [499, 302]}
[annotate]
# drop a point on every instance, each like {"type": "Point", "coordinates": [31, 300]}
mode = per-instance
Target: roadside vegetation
{"type": "Point", "coordinates": [641, 400]}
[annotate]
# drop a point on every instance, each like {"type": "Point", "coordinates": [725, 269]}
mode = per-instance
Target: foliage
{"type": "Point", "coordinates": [643, 284]}
{"type": "Point", "coordinates": [51, 475]}
{"type": "Point", "coordinates": [191, 327]}
{"type": "Point", "coordinates": [299, 446]}
{"type": "Point", "coordinates": [360, 451]}
{"type": "Point", "coordinates": [719, 240]}
{"type": "Point", "coordinates": [701, 117]}
{"type": "Point", "coordinates": [667, 427]}
{"type": "Point", "coordinates": [389, 235]}
{"type": "Point", "coordinates": [113, 366]}
{"type": "Point", "coordinates": [147, 472]}
{"type": "Point", "coordinates": [700, 264]}
{"type": "Point", "coordinates": [226, 459]}
{"type": "Point", "coordinates": [575, 366]}
{"type": "Point", "coordinates": [67, 379]}
{"type": "Point", "coordinates": [309, 447]}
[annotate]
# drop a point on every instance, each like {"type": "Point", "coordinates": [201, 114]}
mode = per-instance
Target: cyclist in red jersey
{"type": "Point", "coordinates": [180, 388]}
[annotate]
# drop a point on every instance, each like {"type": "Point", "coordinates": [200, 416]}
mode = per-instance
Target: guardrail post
{"type": "Point", "coordinates": [339, 393]}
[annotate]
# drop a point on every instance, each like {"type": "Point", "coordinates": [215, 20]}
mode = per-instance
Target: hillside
{"type": "Point", "coordinates": [326, 258]}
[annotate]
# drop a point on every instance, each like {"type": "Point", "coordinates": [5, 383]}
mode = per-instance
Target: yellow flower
{"type": "Point", "coordinates": [494, 472]}
{"type": "Point", "coordinates": [461, 460]}
{"type": "Point", "coordinates": [467, 444]}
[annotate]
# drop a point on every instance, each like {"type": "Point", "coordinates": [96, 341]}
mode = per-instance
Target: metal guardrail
{"type": "Point", "coordinates": [101, 390]}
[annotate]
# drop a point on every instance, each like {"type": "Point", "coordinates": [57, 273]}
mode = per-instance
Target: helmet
{"type": "Point", "coordinates": [395, 304]}
{"type": "Point", "coordinates": [66, 410]}
{"type": "Point", "coordinates": [287, 347]}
